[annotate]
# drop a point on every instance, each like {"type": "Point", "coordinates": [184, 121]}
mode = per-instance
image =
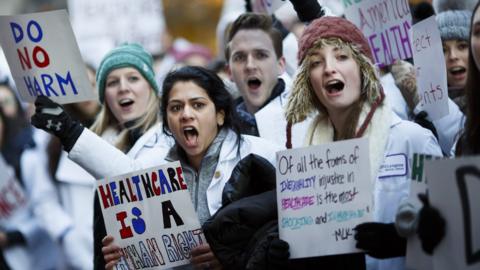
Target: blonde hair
{"type": "Point", "coordinates": [106, 120]}
{"type": "Point", "coordinates": [303, 100]}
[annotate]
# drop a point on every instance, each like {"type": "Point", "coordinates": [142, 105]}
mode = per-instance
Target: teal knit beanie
{"type": "Point", "coordinates": [454, 24]}
{"type": "Point", "coordinates": [126, 55]}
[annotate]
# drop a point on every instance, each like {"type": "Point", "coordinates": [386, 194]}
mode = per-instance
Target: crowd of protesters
{"type": "Point", "coordinates": [230, 113]}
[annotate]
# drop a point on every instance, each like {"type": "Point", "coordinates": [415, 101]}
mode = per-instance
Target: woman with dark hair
{"type": "Point", "coordinates": [197, 112]}
{"type": "Point", "coordinates": [469, 143]}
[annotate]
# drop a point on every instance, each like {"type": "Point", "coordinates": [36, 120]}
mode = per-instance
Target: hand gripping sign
{"type": "Point", "coordinates": [151, 216]}
{"type": "Point", "coordinates": [454, 185]}
{"type": "Point", "coordinates": [44, 58]}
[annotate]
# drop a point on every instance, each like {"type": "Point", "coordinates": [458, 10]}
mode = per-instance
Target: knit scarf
{"type": "Point", "coordinates": [321, 131]}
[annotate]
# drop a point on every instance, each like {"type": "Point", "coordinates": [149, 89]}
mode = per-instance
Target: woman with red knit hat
{"type": "Point", "coordinates": [337, 84]}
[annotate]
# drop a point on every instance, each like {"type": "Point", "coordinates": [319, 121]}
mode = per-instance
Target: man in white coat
{"type": "Point", "coordinates": [255, 64]}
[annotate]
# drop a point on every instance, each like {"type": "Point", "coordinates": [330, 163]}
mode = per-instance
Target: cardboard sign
{"type": "Point", "coordinates": [385, 24]}
{"type": "Point", "coordinates": [151, 216]}
{"type": "Point", "coordinates": [416, 258]}
{"type": "Point", "coordinates": [43, 57]}
{"type": "Point", "coordinates": [12, 197]}
{"type": "Point", "coordinates": [430, 68]}
{"type": "Point", "coordinates": [323, 192]}
{"type": "Point", "coordinates": [454, 185]}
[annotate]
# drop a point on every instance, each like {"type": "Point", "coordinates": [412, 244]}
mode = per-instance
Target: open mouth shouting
{"type": "Point", "coordinates": [191, 136]}
{"type": "Point", "coordinates": [457, 71]}
{"type": "Point", "coordinates": [333, 87]}
{"type": "Point", "coordinates": [126, 103]}
{"type": "Point", "coordinates": [254, 83]}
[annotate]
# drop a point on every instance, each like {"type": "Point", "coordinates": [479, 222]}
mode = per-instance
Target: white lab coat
{"type": "Point", "coordinates": [271, 122]}
{"type": "Point", "coordinates": [393, 186]}
{"type": "Point", "coordinates": [112, 162]}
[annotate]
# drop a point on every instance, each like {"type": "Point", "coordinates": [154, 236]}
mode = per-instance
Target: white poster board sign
{"type": "Point", "coordinates": [454, 185]}
{"type": "Point", "coordinates": [12, 197]}
{"type": "Point", "coordinates": [430, 68]}
{"type": "Point", "coordinates": [151, 216]}
{"type": "Point", "coordinates": [385, 24]}
{"type": "Point", "coordinates": [113, 22]}
{"type": "Point", "coordinates": [323, 192]}
{"type": "Point", "coordinates": [44, 58]}
{"type": "Point", "coordinates": [416, 258]}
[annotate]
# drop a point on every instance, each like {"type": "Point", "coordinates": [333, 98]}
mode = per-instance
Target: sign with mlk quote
{"type": "Point", "coordinates": [430, 68]}
{"type": "Point", "coordinates": [385, 24]}
{"type": "Point", "coordinates": [151, 216]}
{"type": "Point", "coordinates": [323, 192]}
{"type": "Point", "coordinates": [454, 185]}
{"type": "Point", "coordinates": [44, 58]}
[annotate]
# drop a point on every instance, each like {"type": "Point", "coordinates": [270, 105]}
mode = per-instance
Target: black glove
{"type": "Point", "coordinates": [380, 240]}
{"type": "Point", "coordinates": [421, 119]}
{"type": "Point", "coordinates": [52, 118]}
{"type": "Point", "coordinates": [278, 254]}
{"type": "Point", "coordinates": [431, 225]}
{"type": "Point", "coordinates": [307, 10]}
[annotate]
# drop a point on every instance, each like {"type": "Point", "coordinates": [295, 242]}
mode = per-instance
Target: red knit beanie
{"type": "Point", "coordinates": [326, 27]}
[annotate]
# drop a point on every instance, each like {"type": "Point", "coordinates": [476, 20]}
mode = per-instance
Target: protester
{"type": "Point", "coordinates": [454, 26]}
{"type": "Point", "coordinates": [23, 243]}
{"type": "Point", "coordinates": [129, 119]}
{"type": "Point", "coordinates": [255, 62]}
{"type": "Point", "coordinates": [338, 81]}
{"type": "Point", "coordinates": [428, 222]}
{"type": "Point", "coordinates": [64, 188]}
{"type": "Point", "coordinates": [197, 111]}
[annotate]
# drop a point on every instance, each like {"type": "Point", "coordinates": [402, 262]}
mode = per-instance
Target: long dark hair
{"type": "Point", "coordinates": [211, 83]}
{"type": "Point", "coordinates": [470, 143]}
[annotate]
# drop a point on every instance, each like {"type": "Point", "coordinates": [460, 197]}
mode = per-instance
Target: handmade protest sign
{"type": "Point", "coordinates": [385, 24]}
{"type": "Point", "coordinates": [151, 216]}
{"type": "Point", "coordinates": [430, 68]}
{"type": "Point", "coordinates": [323, 192]}
{"type": "Point", "coordinates": [12, 197]}
{"type": "Point", "coordinates": [43, 57]}
{"type": "Point", "coordinates": [454, 185]}
{"type": "Point", "coordinates": [416, 258]}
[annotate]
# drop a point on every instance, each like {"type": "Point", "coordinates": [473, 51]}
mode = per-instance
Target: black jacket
{"type": "Point", "coordinates": [241, 231]}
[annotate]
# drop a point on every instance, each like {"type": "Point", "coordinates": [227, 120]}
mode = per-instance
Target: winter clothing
{"type": "Point", "coordinates": [244, 232]}
{"type": "Point", "coordinates": [148, 151]}
{"type": "Point", "coordinates": [392, 137]}
{"type": "Point", "coordinates": [448, 127]}
{"type": "Point", "coordinates": [126, 55]}
{"type": "Point", "coordinates": [454, 24]}
{"type": "Point", "coordinates": [52, 117]}
{"type": "Point", "coordinates": [327, 27]}
{"type": "Point", "coordinates": [301, 101]}
{"type": "Point", "coordinates": [380, 240]}
{"type": "Point", "coordinates": [198, 182]}
{"type": "Point", "coordinates": [431, 226]}
{"type": "Point", "coordinates": [247, 122]}
{"type": "Point", "coordinates": [393, 96]}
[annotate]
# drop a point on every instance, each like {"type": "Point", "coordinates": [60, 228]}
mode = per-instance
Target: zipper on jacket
{"type": "Point", "coordinates": [196, 190]}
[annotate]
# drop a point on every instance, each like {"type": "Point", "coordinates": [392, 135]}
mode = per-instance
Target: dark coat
{"type": "Point", "coordinates": [240, 233]}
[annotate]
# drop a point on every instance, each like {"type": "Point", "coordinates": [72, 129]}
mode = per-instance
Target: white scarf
{"type": "Point", "coordinates": [321, 131]}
